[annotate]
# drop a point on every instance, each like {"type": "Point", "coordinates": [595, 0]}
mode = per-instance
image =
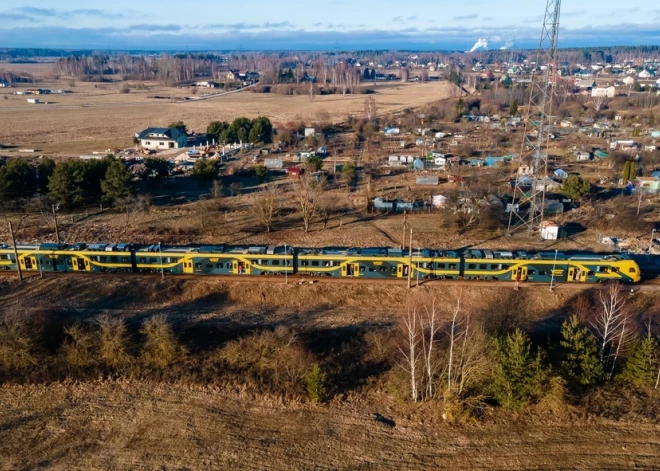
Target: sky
{"type": "Point", "coordinates": [320, 24]}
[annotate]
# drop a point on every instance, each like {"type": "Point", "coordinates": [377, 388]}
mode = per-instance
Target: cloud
{"type": "Point", "coordinates": [17, 17]}
{"type": "Point", "coordinates": [471, 16]}
{"type": "Point", "coordinates": [152, 28]}
{"type": "Point", "coordinates": [253, 26]}
{"type": "Point", "coordinates": [62, 14]}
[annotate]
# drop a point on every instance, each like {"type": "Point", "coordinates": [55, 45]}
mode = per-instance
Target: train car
{"type": "Point", "coordinates": [215, 260]}
{"type": "Point", "coordinates": [7, 259]}
{"type": "Point", "coordinates": [377, 263]}
{"type": "Point", "coordinates": [548, 266]}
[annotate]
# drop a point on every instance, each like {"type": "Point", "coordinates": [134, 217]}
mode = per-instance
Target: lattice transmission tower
{"type": "Point", "coordinates": [528, 203]}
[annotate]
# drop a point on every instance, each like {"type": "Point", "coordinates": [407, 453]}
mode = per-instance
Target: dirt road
{"type": "Point", "coordinates": [144, 426]}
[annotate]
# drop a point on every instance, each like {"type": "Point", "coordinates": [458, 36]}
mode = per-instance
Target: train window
{"type": "Point", "coordinates": [590, 273]}
{"type": "Point", "coordinates": [276, 262]}
{"type": "Point", "coordinates": [393, 269]}
{"type": "Point", "coordinates": [542, 273]}
{"type": "Point", "coordinates": [373, 269]}
{"type": "Point", "coordinates": [632, 270]}
{"type": "Point", "coordinates": [361, 268]}
{"type": "Point", "coordinates": [531, 272]}
{"type": "Point", "coordinates": [504, 266]}
{"type": "Point", "coordinates": [483, 266]}
{"type": "Point", "coordinates": [198, 265]}
{"type": "Point", "coordinates": [383, 269]}
{"type": "Point", "coordinates": [472, 266]}
{"type": "Point", "coordinates": [452, 266]}
{"type": "Point", "coordinates": [304, 263]}
{"type": "Point", "coordinates": [219, 265]}
{"type": "Point", "coordinates": [315, 263]}
{"type": "Point", "coordinates": [615, 269]}
{"type": "Point", "coordinates": [140, 259]}
{"type": "Point", "coordinates": [209, 266]}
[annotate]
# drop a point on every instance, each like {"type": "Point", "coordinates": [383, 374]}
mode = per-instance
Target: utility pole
{"type": "Point", "coordinates": [403, 232]}
{"type": "Point", "coordinates": [13, 242]}
{"type": "Point", "coordinates": [57, 231]}
{"type": "Point", "coordinates": [410, 261]}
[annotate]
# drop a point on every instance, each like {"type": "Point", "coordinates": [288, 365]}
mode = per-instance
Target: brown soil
{"type": "Point", "coordinates": [130, 425]}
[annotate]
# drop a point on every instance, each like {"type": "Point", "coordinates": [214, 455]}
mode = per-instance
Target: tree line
{"type": "Point", "coordinates": [257, 130]}
{"type": "Point", "coordinates": [70, 183]}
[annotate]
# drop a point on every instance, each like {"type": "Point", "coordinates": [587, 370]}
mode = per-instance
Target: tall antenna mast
{"type": "Point", "coordinates": [528, 203]}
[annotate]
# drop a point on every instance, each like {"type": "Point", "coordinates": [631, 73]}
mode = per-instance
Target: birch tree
{"type": "Point", "coordinates": [611, 325]}
{"type": "Point", "coordinates": [410, 348]}
{"type": "Point", "coordinates": [429, 326]}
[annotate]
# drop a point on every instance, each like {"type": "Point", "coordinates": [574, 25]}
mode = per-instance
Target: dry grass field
{"type": "Point", "coordinates": [144, 426]}
{"type": "Point", "coordinates": [137, 424]}
{"type": "Point", "coordinates": [98, 116]}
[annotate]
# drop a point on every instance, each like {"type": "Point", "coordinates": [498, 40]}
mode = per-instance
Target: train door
{"type": "Point", "coordinates": [571, 275]}
{"type": "Point", "coordinates": [583, 276]}
{"type": "Point", "coordinates": [240, 267]}
{"type": "Point", "coordinates": [522, 272]}
{"type": "Point", "coordinates": [188, 266]}
{"type": "Point", "coordinates": [79, 264]}
{"type": "Point", "coordinates": [402, 270]}
{"type": "Point", "coordinates": [29, 263]}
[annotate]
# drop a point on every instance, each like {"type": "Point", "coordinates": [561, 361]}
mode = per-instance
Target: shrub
{"type": "Point", "coordinates": [77, 347]}
{"type": "Point", "coordinates": [16, 345]}
{"type": "Point", "coordinates": [160, 346]}
{"type": "Point", "coordinates": [113, 342]}
{"type": "Point", "coordinates": [641, 369]}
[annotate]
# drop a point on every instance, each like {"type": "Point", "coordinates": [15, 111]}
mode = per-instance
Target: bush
{"type": "Point", "coordinates": [113, 342]}
{"type": "Point", "coordinates": [125, 88]}
{"type": "Point", "coordinates": [16, 345]}
{"type": "Point", "coordinates": [580, 363]}
{"type": "Point", "coordinates": [641, 369]}
{"type": "Point", "coordinates": [160, 346]}
{"type": "Point", "coordinates": [78, 345]}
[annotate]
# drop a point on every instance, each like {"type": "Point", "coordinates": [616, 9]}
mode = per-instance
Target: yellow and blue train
{"type": "Point", "coordinates": [383, 263]}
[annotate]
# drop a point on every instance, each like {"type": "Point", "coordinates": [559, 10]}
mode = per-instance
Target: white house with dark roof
{"type": "Point", "coordinates": [162, 138]}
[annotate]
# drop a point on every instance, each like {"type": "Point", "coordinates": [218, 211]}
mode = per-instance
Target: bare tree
{"type": "Point", "coordinates": [405, 74]}
{"type": "Point", "coordinates": [113, 341]}
{"type": "Point", "coordinates": [307, 193]}
{"type": "Point", "coordinates": [16, 343]}
{"type": "Point", "coordinates": [598, 102]}
{"type": "Point", "coordinates": [430, 327]}
{"type": "Point", "coordinates": [266, 205]}
{"type": "Point", "coordinates": [370, 108]}
{"type": "Point", "coordinates": [410, 351]}
{"type": "Point", "coordinates": [611, 325]}
{"type": "Point", "coordinates": [455, 333]}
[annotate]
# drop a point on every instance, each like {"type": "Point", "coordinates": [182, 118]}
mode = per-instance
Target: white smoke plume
{"type": "Point", "coordinates": [481, 43]}
{"type": "Point", "coordinates": [507, 45]}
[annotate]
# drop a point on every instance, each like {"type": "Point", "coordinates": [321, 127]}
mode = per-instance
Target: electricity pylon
{"type": "Point", "coordinates": [528, 203]}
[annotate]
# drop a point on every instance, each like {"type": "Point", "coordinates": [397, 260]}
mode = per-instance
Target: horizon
{"type": "Point", "coordinates": [420, 25]}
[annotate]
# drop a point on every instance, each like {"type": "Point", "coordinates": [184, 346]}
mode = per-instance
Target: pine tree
{"type": "Point", "coordinates": [579, 354]}
{"type": "Point", "coordinates": [642, 365]}
{"type": "Point", "coordinates": [315, 379]}
{"type": "Point", "coordinates": [629, 171]}
{"type": "Point", "coordinates": [513, 109]}
{"type": "Point", "coordinates": [519, 375]}
{"type": "Point", "coordinates": [117, 183]}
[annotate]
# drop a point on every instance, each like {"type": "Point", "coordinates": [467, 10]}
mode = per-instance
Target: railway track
{"type": "Point", "coordinates": [644, 286]}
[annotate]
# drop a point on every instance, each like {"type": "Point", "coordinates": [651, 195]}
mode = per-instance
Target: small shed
{"type": "Point", "coordinates": [33, 101]}
{"type": "Point", "coordinates": [438, 201]}
{"type": "Point", "coordinates": [418, 164]}
{"type": "Point", "coordinates": [549, 230]}
{"type": "Point", "coordinates": [294, 172]}
{"type": "Point", "coordinates": [273, 163]}
{"type": "Point", "coordinates": [427, 180]}
{"type": "Point", "coordinates": [310, 132]}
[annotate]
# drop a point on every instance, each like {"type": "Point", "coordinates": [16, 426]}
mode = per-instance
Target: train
{"type": "Point", "coordinates": [339, 262]}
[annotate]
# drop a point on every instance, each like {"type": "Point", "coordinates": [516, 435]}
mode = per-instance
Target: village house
{"type": "Point", "coordinates": [162, 138]}
{"type": "Point", "coordinates": [607, 92]}
{"type": "Point", "coordinates": [4, 84]}
{"type": "Point", "coordinates": [207, 84]}
{"type": "Point", "coordinates": [585, 84]}
{"type": "Point", "coordinates": [646, 74]}
{"type": "Point", "coordinates": [648, 184]}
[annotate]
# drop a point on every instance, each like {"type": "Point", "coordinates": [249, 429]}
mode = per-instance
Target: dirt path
{"type": "Point", "coordinates": [144, 426]}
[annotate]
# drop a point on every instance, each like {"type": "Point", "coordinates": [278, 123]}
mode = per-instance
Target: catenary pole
{"type": "Point", "coordinates": [13, 243]}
